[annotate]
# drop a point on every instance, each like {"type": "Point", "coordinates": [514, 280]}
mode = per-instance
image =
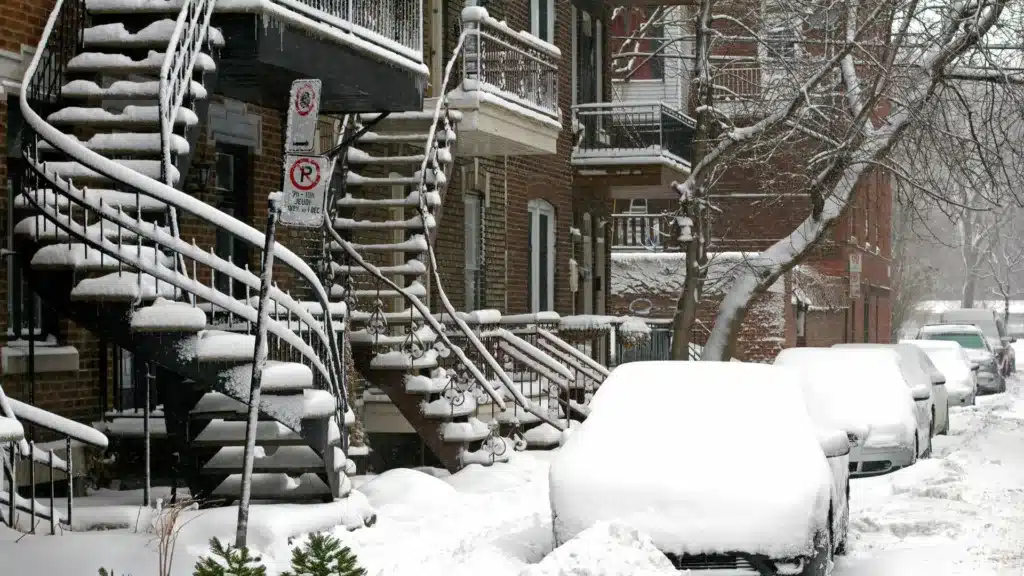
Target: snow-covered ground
{"type": "Point", "coordinates": [960, 513]}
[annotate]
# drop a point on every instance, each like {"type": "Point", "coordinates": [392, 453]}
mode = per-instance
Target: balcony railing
{"type": "Point", "coordinates": [516, 67]}
{"type": "Point", "coordinates": [640, 232]}
{"type": "Point", "coordinates": [625, 132]}
{"type": "Point", "coordinates": [396, 25]}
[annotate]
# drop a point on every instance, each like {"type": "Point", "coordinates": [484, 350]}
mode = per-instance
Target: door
{"type": "Point", "coordinates": [233, 190]}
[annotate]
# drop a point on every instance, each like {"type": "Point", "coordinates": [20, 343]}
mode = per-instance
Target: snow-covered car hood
{"type": "Point", "coordinates": [697, 468]}
{"type": "Point", "coordinates": [960, 386]}
{"type": "Point", "coordinates": [978, 355]}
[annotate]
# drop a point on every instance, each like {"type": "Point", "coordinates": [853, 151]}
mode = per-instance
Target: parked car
{"type": "Point", "coordinates": [862, 390]}
{"type": "Point", "coordinates": [991, 324]}
{"type": "Point", "coordinates": [718, 462]}
{"type": "Point", "coordinates": [952, 360]}
{"type": "Point", "coordinates": [978, 348]}
{"type": "Point", "coordinates": [918, 369]}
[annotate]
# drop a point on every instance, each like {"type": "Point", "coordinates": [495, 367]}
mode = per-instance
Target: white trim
{"type": "Point", "coordinates": [536, 208]}
{"type": "Point", "coordinates": [535, 20]}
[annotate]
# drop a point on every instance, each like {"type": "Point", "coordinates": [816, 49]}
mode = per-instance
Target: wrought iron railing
{"type": "Point", "coordinates": [393, 24]}
{"type": "Point", "coordinates": [614, 132]}
{"type": "Point", "coordinates": [644, 232]}
{"type": "Point", "coordinates": [513, 66]}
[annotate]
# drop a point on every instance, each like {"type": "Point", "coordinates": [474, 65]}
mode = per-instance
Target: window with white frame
{"type": "Point", "coordinates": [24, 307]}
{"type": "Point", "coordinates": [474, 253]}
{"type": "Point", "coordinates": [542, 19]}
{"type": "Point", "coordinates": [541, 232]}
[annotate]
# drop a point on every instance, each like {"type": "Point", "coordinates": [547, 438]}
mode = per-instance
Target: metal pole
{"type": "Point", "coordinates": [258, 362]}
{"type": "Point", "coordinates": [71, 482]}
{"type": "Point", "coordinates": [12, 507]}
{"type": "Point", "coordinates": [145, 434]}
{"type": "Point", "coordinates": [32, 483]}
{"type": "Point", "coordinates": [53, 506]}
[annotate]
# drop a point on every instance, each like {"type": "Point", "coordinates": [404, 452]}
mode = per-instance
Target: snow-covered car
{"type": "Point", "coordinates": [991, 325]}
{"type": "Point", "coordinates": [718, 462]}
{"type": "Point", "coordinates": [951, 358]}
{"type": "Point", "coordinates": [978, 348]}
{"type": "Point", "coordinates": [917, 369]}
{"type": "Point", "coordinates": [863, 391]}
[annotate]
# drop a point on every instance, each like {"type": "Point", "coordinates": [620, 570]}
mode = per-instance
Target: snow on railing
{"type": "Point", "coordinates": [624, 132]}
{"type": "Point", "coordinates": [395, 25]}
{"type": "Point", "coordinates": [643, 232]}
{"type": "Point", "coordinates": [514, 66]}
{"type": "Point", "coordinates": [303, 338]}
{"type": "Point", "coordinates": [185, 46]}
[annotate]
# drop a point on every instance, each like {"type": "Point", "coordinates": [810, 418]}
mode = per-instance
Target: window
{"type": "Point", "coordinates": [474, 251]}
{"type": "Point", "coordinates": [866, 308]}
{"type": "Point", "coordinates": [541, 233]}
{"type": "Point", "coordinates": [542, 19]}
{"type": "Point", "coordinates": [587, 63]}
{"type": "Point", "coordinates": [646, 43]}
{"type": "Point", "coordinates": [24, 307]}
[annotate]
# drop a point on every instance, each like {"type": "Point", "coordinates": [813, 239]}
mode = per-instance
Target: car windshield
{"type": "Point", "coordinates": [965, 339]}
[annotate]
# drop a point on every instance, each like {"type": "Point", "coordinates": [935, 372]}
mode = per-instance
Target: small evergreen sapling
{"type": "Point", "coordinates": [229, 561]}
{"type": "Point", "coordinates": [323, 555]}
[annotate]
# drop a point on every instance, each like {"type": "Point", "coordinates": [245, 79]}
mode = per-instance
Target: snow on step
{"type": "Point", "coordinates": [131, 115]}
{"type": "Point", "coordinates": [354, 179]}
{"type": "Point", "coordinates": [232, 433]}
{"type": "Point", "coordinates": [127, 201]}
{"type": "Point", "coordinates": [472, 430]}
{"type": "Point", "coordinates": [416, 243]}
{"type": "Point", "coordinates": [408, 137]}
{"type": "Point", "coordinates": [415, 289]}
{"type": "Point", "coordinates": [85, 257]}
{"type": "Point", "coordinates": [220, 346]}
{"type": "Point", "coordinates": [499, 452]}
{"type": "Point", "coordinates": [425, 334]}
{"type": "Point", "coordinates": [10, 430]}
{"type": "Point", "coordinates": [123, 286]}
{"type": "Point", "coordinates": [100, 62]}
{"type": "Point", "coordinates": [397, 360]}
{"type": "Point", "coordinates": [123, 90]}
{"type": "Point", "coordinates": [132, 427]}
{"type": "Point", "coordinates": [414, 223]}
{"type": "Point", "coordinates": [292, 409]}
{"type": "Point", "coordinates": [275, 487]}
{"type": "Point", "coordinates": [357, 156]}
{"type": "Point", "coordinates": [40, 228]}
{"type": "Point", "coordinates": [283, 459]}
{"type": "Point", "coordinates": [433, 384]}
{"type": "Point", "coordinates": [412, 199]}
{"type": "Point", "coordinates": [127, 143]}
{"type": "Point", "coordinates": [78, 172]}
{"type": "Point", "coordinates": [410, 267]}
{"type": "Point", "coordinates": [447, 408]}
{"type": "Point", "coordinates": [156, 35]}
{"type": "Point", "coordinates": [277, 376]}
{"type": "Point", "coordinates": [543, 436]}
{"type": "Point", "coordinates": [515, 414]}
{"type": "Point", "coordinates": [168, 316]}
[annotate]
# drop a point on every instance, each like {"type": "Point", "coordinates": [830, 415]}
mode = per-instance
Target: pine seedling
{"type": "Point", "coordinates": [323, 555]}
{"type": "Point", "coordinates": [229, 561]}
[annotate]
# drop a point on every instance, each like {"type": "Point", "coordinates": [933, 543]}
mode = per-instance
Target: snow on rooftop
{"type": "Point", "coordinates": [714, 413]}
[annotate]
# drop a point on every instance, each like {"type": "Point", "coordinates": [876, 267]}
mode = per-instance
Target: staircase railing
{"type": "Point", "coordinates": [190, 32]}
{"type": "Point", "coordinates": [304, 338]}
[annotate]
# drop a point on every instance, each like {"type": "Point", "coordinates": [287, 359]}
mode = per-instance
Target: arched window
{"type": "Point", "coordinates": [541, 233]}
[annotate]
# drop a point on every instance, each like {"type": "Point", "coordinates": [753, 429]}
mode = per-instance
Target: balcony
{"type": "Point", "coordinates": [508, 93]}
{"type": "Point", "coordinates": [644, 233]}
{"type": "Point", "coordinates": [646, 143]}
{"type": "Point", "coordinates": [368, 53]}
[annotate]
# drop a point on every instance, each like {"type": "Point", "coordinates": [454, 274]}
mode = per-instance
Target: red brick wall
{"type": "Point", "coordinates": [21, 22]}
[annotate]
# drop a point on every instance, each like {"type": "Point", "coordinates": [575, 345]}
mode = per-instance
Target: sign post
{"type": "Point", "coordinates": [855, 269]}
{"type": "Point", "coordinates": [303, 115]}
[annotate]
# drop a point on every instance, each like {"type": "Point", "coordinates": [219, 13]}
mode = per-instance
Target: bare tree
{"type": "Point", "coordinates": [837, 86]}
{"type": "Point", "coordinates": [1006, 264]}
{"type": "Point", "coordinates": [912, 278]}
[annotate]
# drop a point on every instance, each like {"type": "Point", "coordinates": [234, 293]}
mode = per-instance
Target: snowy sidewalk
{"type": "Point", "coordinates": [960, 513]}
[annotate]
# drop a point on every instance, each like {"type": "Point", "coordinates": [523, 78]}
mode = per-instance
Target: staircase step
{"type": "Point", "coordinates": [156, 35]}
{"type": "Point", "coordinates": [356, 156]}
{"type": "Point", "coordinates": [131, 116]}
{"type": "Point", "coordinates": [232, 433]}
{"type": "Point", "coordinates": [444, 408]}
{"type": "Point", "coordinates": [134, 143]}
{"type": "Point", "coordinates": [168, 316]}
{"type": "Point", "coordinates": [412, 199]}
{"type": "Point", "coordinates": [407, 137]}
{"type": "Point", "coordinates": [82, 257]}
{"type": "Point", "coordinates": [357, 337]}
{"type": "Point", "coordinates": [354, 179]}
{"type": "Point", "coordinates": [41, 229]}
{"type": "Point", "coordinates": [123, 287]}
{"type": "Point", "coordinates": [127, 201]}
{"type": "Point", "coordinates": [397, 360]}
{"type": "Point", "coordinates": [277, 376]}
{"type": "Point", "coordinates": [410, 267]}
{"type": "Point", "coordinates": [79, 174]}
{"type": "Point", "coordinates": [415, 289]}
{"type": "Point", "coordinates": [472, 430]}
{"type": "Point", "coordinates": [284, 459]}
{"type": "Point", "coordinates": [414, 223]}
{"type": "Point", "coordinates": [221, 346]}
{"type": "Point", "coordinates": [110, 64]}
{"type": "Point", "coordinates": [416, 243]}
{"type": "Point", "coordinates": [289, 410]}
{"type": "Point", "coordinates": [275, 487]}
{"type": "Point", "coordinates": [123, 90]}
{"type": "Point", "coordinates": [132, 427]}
{"type": "Point", "coordinates": [433, 384]}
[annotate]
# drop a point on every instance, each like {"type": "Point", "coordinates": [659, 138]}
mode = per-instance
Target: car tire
{"type": "Point", "coordinates": [917, 445]}
{"type": "Point", "coordinates": [821, 563]}
{"type": "Point", "coordinates": [931, 434]}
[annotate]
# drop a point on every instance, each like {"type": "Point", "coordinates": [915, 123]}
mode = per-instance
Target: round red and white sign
{"type": "Point", "coordinates": [304, 174]}
{"type": "Point", "coordinates": [305, 99]}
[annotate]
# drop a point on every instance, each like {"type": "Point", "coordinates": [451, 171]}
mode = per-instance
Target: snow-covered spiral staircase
{"type": "Point", "coordinates": [110, 101]}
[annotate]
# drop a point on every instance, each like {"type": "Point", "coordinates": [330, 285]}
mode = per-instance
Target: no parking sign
{"type": "Point", "coordinates": [305, 188]}
{"type": "Point", "coordinates": [303, 112]}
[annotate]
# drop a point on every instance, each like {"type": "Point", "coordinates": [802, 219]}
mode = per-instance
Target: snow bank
{"type": "Point", "coordinates": [697, 483]}
{"type": "Point", "coordinates": [604, 549]}
{"type": "Point", "coordinates": [406, 487]}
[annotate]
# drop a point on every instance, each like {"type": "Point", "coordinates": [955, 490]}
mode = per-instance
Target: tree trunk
{"type": "Point", "coordinates": [967, 299]}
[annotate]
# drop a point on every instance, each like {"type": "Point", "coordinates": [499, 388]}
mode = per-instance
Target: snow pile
{"type": "Point", "coordinates": [857, 390]}
{"type": "Point", "coordinates": [604, 549]}
{"type": "Point", "coordinates": [712, 413]}
{"type": "Point", "coordinates": [407, 488]}
{"type": "Point", "coordinates": [663, 273]}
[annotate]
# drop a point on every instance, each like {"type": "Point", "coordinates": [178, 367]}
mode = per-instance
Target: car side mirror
{"type": "Point", "coordinates": [837, 448]}
{"type": "Point", "coordinates": [853, 439]}
{"type": "Point", "coordinates": [939, 382]}
{"type": "Point", "coordinates": [921, 393]}
{"type": "Point", "coordinates": [975, 366]}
